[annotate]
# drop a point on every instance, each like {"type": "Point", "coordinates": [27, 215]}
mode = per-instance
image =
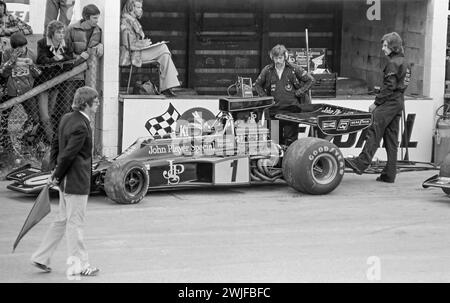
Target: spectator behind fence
{"type": "Point", "coordinates": [9, 25]}
{"type": "Point", "coordinates": [86, 38]}
{"type": "Point", "coordinates": [52, 50]}
{"type": "Point", "coordinates": [58, 9]}
{"type": "Point", "coordinates": [19, 69]}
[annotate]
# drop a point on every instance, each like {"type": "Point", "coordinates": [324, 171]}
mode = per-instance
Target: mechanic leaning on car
{"type": "Point", "coordinates": [386, 110]}
{"type": "Point", "coordinates": [289, 84]}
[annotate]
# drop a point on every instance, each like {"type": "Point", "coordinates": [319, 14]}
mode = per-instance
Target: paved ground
{"type": "Point", "coordinates": [258, 234]}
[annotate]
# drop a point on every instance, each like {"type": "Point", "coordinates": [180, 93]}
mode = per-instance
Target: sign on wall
{"type": "Point", "coordinates": [374, 10]}
{"type": "Point", "coordinates": [317, 58]}
{"type": "Point", "coordinates": [138, 122]}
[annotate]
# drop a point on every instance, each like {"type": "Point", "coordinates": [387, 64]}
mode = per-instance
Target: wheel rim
{"type": "Point", "coordinates": [134, 182]}
{"type": "Point", "coordinates": [324, 169]}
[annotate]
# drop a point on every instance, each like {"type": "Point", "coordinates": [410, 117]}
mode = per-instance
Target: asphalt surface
{"type": "Point", "coordinates": [364, 231]}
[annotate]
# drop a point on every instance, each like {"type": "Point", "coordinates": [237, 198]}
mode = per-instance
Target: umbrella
{"type": "Point", "coordinates": [40, 209]}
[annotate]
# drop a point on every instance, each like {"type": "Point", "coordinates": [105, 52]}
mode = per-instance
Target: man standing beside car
{"type": "Point", "coordinates": [387, 111]}
{"type": "Point", "coordinates": [71, 158]}
{"type": "Point", "coordinates": [288, 84]}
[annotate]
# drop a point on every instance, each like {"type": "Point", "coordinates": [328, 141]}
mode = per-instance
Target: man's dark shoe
{"type": "Point", "coordinates": [169, 93]}
{"type": "Point", "coordinates": [384, 179]}
{"type": "Point", "coordinates": [352, 164]}
{"type": "Point", "coordinates": [41, 266]}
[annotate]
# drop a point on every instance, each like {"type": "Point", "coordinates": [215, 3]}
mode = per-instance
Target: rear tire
{"type": "Point", "coordinates": [445, 171]}
{"type": "Point", "coordinates": [313, 166]}
{"type": "Point", "coordinates": [126, 182]}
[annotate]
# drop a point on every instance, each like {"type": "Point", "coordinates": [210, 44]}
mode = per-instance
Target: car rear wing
{"type": "Point", "coordinates": [330, 119]}
{"type": "Point", "coordinates": [230, 104]}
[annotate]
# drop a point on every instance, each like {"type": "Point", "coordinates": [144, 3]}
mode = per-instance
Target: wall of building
{"type": "Point", "coordinates": [361, 55]}
{"type": "Point", "coordinates": [213, 42]}
{"type": "Point", "coordinates": [435, 50]}
{"type": "Point", "coordinates": [107, 130]}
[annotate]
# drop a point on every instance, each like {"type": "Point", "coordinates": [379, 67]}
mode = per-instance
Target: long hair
{"type": "Point", "coordinates": [278, 50]}
{"type": "Point", "coordinates": [128, 7]}
{"type": "Point", "coordinates": [3, 3]}
{"type": "Point", "coordinates": [394, 41]}
{"type": "Point", "coordinates": [53, 26]}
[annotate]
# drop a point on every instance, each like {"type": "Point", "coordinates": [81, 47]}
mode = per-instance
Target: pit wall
{"type": "Point", "coordinates": [136, 111]}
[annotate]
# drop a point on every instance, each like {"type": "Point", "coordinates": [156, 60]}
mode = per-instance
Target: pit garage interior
{"type": "Point", "coordinates": [214, 42]}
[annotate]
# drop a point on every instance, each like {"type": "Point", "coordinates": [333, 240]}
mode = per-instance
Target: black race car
{"type": "Point", "coordinates": [233, 149]}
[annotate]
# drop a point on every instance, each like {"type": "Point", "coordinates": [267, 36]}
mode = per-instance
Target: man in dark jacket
{"type": "Point", "coordinates": [386, 110]}
{"type": "Point", "coordinates": [71, 156]}
{"type": "Point", "coordinates": [289, 85]}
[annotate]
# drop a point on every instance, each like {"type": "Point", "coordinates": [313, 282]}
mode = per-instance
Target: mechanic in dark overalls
{"type": "Point", "coordinates": [289, 85]}
{"type": "Point", "coordinates": [386, 110]}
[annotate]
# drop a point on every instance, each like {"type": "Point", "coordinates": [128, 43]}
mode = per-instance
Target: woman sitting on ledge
{"type": "Point", "coordinates": [133, 40]}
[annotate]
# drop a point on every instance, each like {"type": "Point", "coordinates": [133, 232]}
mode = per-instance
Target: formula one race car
{"type": "Point", "coordinates": [233, 149]}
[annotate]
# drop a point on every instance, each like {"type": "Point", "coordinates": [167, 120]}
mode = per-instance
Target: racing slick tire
{"type": "Point", "coordinates": [445, 171]}
{"type": "Point", "coordinates": [126, 182]}
{"type": "Point", "coordinates": [313, 166]}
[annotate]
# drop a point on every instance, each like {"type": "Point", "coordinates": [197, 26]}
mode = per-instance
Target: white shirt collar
{"type": "Point", "coordinates": [53, 47]}
{"type": "Point", "coordinates": [84, 114]}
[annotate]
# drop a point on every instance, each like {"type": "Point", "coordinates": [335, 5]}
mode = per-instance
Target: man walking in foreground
{"type": "Point", "coordinates": [71, 158]}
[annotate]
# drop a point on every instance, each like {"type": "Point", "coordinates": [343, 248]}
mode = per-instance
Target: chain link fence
{"type": "Point", "coordinates": [28, 122]}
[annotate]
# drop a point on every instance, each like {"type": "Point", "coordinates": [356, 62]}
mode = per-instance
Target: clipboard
{"type": "Point", "coordinates": [154, 44]}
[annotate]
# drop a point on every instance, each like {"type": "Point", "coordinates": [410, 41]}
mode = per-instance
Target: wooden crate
{"type": "Point", "coordinates": [324, 85]}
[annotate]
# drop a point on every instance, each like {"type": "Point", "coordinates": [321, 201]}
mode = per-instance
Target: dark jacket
{"type": "Point", "coordinates": [396, 77]}
{"type": "Point", "coordinates": [46, 56]}
{"type": "Point", "coordinates": [46, 60]}
{"type": "Point", "coordinates": [76, 35]}
{"type": "Point", "coordinates": [289, 91]}
{"type": "Point", "coordinates": [71, 153]}
{"type": "Point", "coordinates": [20, 79]}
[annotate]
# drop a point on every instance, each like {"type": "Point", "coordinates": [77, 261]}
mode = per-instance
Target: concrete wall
{"type": "Point", "coordinates": [361, 48]}
{"type": "Point", "coordinates": [107, 121]}
{"type": "Point", "coordinates": [435, 50]}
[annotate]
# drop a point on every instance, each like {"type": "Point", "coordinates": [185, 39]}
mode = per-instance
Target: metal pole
{"type": "Point", "coordinates": [307, 58]}
{"type": "Point", "coordinates": [131, 63]}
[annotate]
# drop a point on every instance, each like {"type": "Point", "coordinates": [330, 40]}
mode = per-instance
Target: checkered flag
{"type": "Point", "coordinates": [162, 125]}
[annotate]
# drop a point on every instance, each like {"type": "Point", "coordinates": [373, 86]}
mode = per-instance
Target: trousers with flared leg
{"type": "Point", "coordinates": [167, 70]}
{"type": "Point", "coordinates": [70, 222]}
{"type": "Point", "coordinates": [386, 120]}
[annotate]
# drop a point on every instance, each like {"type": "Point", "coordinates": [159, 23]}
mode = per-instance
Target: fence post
{"type": "Point", "coordinates": [91, 77]}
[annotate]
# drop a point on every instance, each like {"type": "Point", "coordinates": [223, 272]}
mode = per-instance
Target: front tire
{"type": "Point", "coordinates": [313, 166]}
{"type": "Point", "coordinates": [445, 172]}
{"type": "Point", "coordinates": [126, 182]}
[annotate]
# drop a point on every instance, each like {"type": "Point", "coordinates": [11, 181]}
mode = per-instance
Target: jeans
{"type": "Point", "coordinates": [61, 8]}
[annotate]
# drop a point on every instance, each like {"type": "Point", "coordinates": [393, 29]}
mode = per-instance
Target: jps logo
{"type": "Point", "coordinates": [172, 175]}
{"type": "Point", "coordinates": [343, 125]}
